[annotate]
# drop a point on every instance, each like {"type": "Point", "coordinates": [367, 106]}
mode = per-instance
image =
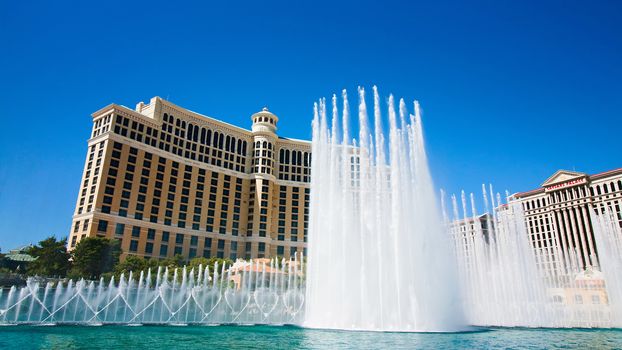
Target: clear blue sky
{"type": "Point", "coordinates": [511, 90]}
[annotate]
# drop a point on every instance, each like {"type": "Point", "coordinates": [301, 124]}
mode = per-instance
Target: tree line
{"type": "Point", "coordinates": [96, 257]}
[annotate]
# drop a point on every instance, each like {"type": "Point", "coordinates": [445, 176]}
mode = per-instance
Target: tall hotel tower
{"type": "Point", "coordinates": [164, 180]}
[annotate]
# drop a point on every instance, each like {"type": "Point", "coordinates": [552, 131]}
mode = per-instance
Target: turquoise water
{"type": "Point", "coordinates": [286, 337]}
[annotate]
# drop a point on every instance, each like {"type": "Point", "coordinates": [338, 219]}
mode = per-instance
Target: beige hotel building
{"type": "Point", "coordinates": [558, 216]}
{"type": "Point", "coordinates": [164, 180]}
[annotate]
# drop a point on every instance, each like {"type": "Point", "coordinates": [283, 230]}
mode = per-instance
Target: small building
{"type": "Point", "coordinates": [257, 267]}
{"type": "Point", "coordinates": [18, 259]}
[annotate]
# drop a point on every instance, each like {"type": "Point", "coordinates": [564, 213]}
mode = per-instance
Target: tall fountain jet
{"type": "Point", "coordinates": [378, 255]}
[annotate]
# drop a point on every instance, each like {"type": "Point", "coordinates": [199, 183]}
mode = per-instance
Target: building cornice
{"type": "Point", "coordinates": [306, 145]}
{"type": "Point", "coordinates": [529, 193]}
{"type": "Point", "coordinates": [589, 179]}
{"type": "Point", "coordinates": [105, 110]}
{"type": "Point", "coordinates": [127, 112]}
{"type": "Point", "coordinates": [605, 174]}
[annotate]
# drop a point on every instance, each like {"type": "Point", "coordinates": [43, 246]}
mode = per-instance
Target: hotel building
{"type": "Point", "coordinates": [561, 220]}
{"type": "Point", "coordinates": [164, 180]}
{"type": "Point", "coordinates": [558, 216]}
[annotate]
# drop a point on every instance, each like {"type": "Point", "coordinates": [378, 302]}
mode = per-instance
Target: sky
{"type": "Point", "coordinates": [511, 91]}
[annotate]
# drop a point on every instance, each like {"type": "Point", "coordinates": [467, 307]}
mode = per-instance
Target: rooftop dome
{"type": "Point", "coordinates": [264, 120]}
{"type": "Point", "coordinates": [265, 112]}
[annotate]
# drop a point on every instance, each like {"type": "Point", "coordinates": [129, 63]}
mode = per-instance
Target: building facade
{"type": "Point", "coordinates": [558, 217]}
{"type": "Point", "coordinates": [464, 232]}
{"type": "Point", "coordinates": [164, 180]}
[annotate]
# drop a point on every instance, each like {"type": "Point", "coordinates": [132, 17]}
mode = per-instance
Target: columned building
{"type": "Point", "coordinates": [558, 216]}
{"type": "Point", "coordinates": [164, 180]}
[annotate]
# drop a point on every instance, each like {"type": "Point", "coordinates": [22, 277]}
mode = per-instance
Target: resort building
{"type": "Point", "coordinates": [562, 221]}
{"type": "Point", "coordinates": [558, 216]}
{"type": "Point", "coordinates": [164, 180]}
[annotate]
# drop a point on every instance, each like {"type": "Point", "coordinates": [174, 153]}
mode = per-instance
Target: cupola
{"type": "Point", "coordinates": [264, 121]}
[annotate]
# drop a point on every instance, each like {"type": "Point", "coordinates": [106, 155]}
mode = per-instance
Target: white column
{"type": "Point", "coordinates": [569, 232]}
{"type": "Point", "coordinates": [588, 231]}
{"type": "Point", "coordinates": [579, 239]}
{"type": "Point", "coordinates": [562, 232]}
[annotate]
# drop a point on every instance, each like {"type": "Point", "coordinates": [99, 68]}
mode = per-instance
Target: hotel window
{"type": "Point", "coordinates": [248, 250]}
{"type": "Point", "coordinates": [233, 252]}
{"type": "Point", "coordinates": [133, 246]}
{"type": "Point", "coordinates": [262, 248]}
{"type": "Point", "coordinates": [163, 250]}
{"type": "Point", "coordinates": [221, 247]}
{"type": "Point", "coordinates": [102, 226]}
{"type": "Point", "coordinates": [208, 242]}
{"type": "Point", "coordinates": [119, 229]}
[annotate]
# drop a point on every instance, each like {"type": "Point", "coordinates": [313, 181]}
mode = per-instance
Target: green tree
{"type": "Point", "coordinates": [132, 263]}
{"type": "Point", "coordinates": [52, 258]}
{"type": "Point", "coordinates": [3, 264]}
{"type": "Point", "coordinates": [221, 262]}
{"type": "Point", "coordinates": [196, 262]}
{"type": "Point", "coordinates": [176, 261]}
{"type": "Point", "coordinates": [94, 256]}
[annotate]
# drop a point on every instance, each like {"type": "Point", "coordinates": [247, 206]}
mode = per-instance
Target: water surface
{"type": "Point", "coordinates": [286, 337]}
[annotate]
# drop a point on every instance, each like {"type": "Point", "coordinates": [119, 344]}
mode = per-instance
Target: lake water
{"type": "Point", "coordinates": [285, 337]}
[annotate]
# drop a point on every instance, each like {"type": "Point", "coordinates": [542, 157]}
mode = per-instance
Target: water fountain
{"type": "Point", "coordinates": [378, 256]}
{"type": "Point", "coordinates": [245, 293]}
{"type": "Point", "coordinates": [505, 280]}
{"type": "Point", "coordinates": [608, 234]}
